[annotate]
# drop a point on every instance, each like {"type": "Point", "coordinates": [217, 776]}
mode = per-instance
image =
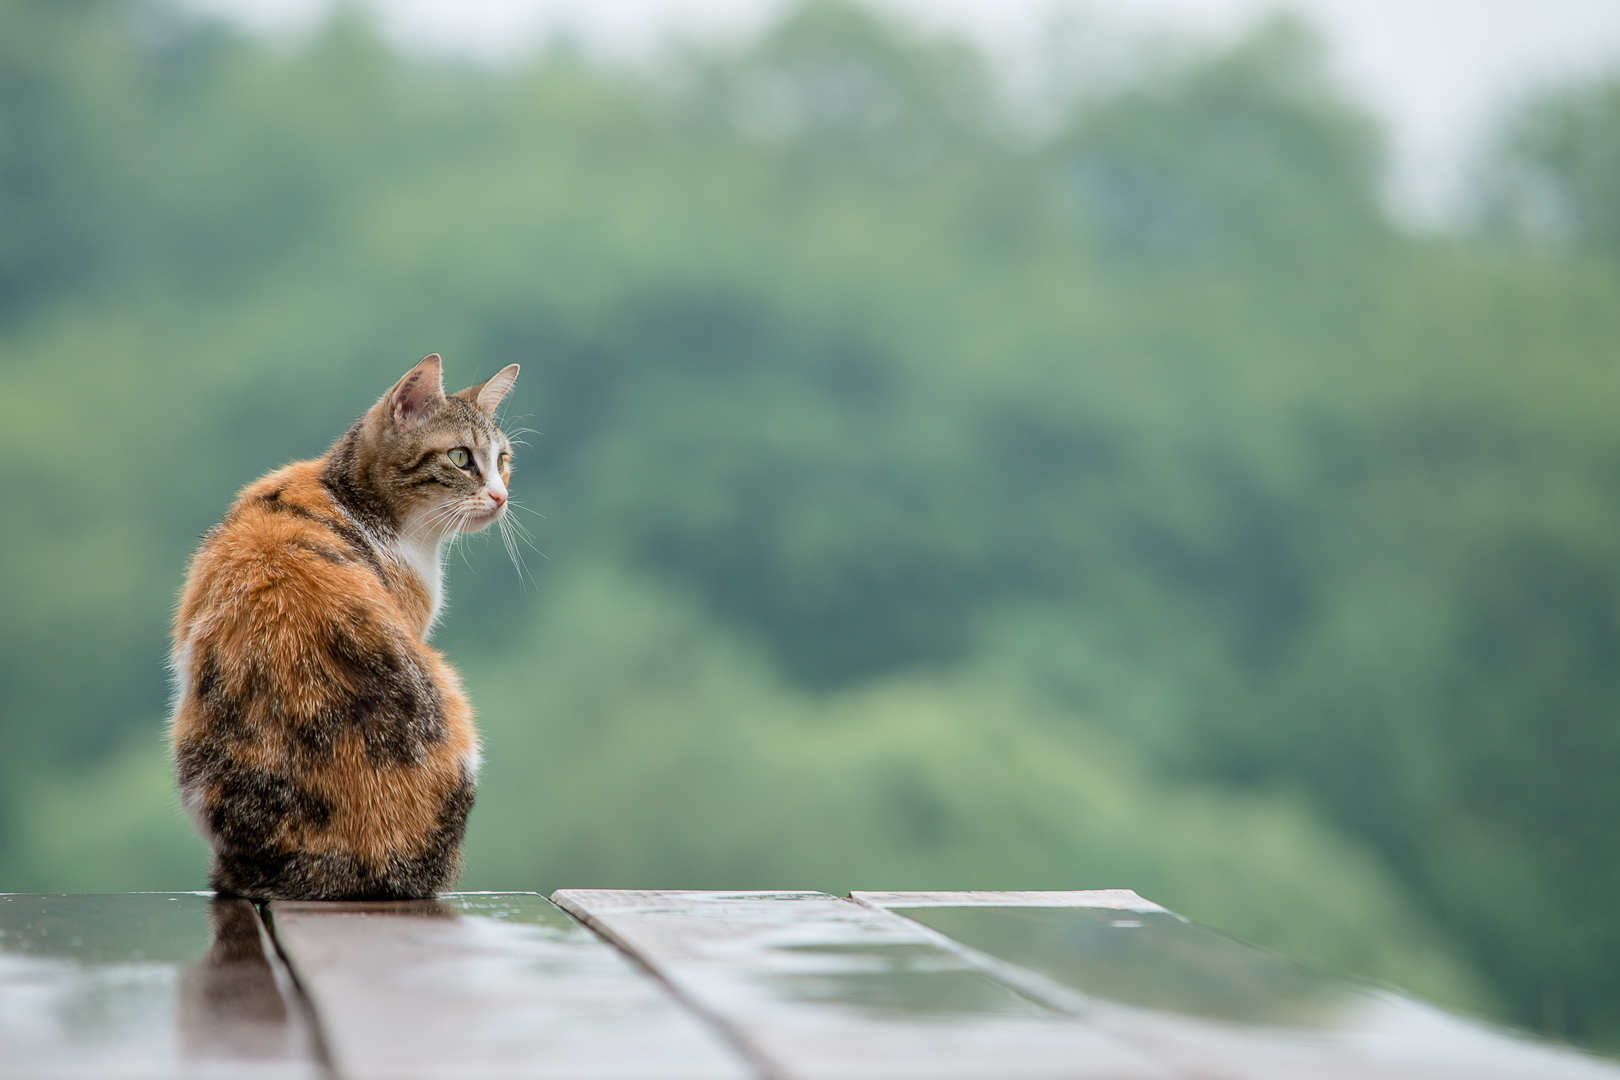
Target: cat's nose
{"type": "Point", "coordinates": [498, 496]}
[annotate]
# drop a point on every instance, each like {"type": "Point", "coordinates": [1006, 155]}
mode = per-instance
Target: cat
{"type": "Point", "coordinates": [322, 748]}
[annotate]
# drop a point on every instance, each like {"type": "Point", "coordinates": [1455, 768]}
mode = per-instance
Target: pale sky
{"type": "Point", "coordinates": [1434, 70]}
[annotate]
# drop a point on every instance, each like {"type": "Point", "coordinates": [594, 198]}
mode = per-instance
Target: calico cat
{"type": "Point", "coordinates": [323, 749]}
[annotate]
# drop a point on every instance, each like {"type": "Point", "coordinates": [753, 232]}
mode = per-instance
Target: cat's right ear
{"type": "Point", "coordinates": [415, 397]}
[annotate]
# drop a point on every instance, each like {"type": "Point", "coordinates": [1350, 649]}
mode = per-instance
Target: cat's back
{"type": "Point", "coordinates": [287, 550]}
{"type": "Point", "coordinates": [322, 747]}
{"type": "Point", "coordinates": [281, 544]}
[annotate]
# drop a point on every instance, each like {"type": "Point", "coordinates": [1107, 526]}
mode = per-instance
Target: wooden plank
{"type": "Point", "coordinates": [819, 987]}
{"type": "Point", "coordinates": [160, 985]}
{"type": "Point", "coordinates": [1209, 1005]}
{"type": "Point", "coordinates": [1109, 899]}
{"type": "Point", "coordinates": [488, 985]}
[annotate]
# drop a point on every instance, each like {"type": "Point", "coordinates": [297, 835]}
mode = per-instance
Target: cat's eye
{"type": "Point", "coordinates": [504, 462]}
{"type": "Point", "coordinates": [459, 457]}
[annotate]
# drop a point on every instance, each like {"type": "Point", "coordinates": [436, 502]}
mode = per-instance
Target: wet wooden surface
{"type": "Point", "coordinates": [1209, 1006]}
{"type": "Point", "coordinates": [160, 985]}
{"type": "Point", "coordinates": [818, 986]}
{"type": "Point", "coordinates": [691, 985]}
{"type": "Point", "coordinates": [487, 986]}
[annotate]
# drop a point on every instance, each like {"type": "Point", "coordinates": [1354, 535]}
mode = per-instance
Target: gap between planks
{"type": "Point", "coordinates": [287, 979]}
{"type": "Point", "coordinates": [826, 987]}
{"type": "Point", "coordinates": [489, 985]}
{"type": "Point", "coordinates": [732, 1035]}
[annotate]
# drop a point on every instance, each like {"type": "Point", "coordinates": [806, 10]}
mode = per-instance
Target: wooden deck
{"type": "Point", "coordinates": [621, 985]}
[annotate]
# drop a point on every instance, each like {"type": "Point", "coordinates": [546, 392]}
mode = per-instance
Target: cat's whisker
{"type": "Point", "coordinates": [437, 517]}
{"type": "Point", "coordinates": [521, 536]}
{"type": "Point", "coordinates": [512, 552]}
{"type": "Point", "coordinates": [526, 537]}
{"type": "Point", "coordinates": [457, 533]}
{"type": "Point", "coordinates": [523, 532]}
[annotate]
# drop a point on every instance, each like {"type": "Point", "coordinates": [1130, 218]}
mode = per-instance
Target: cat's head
{"type": "Point", "coordinates": [439, 461]}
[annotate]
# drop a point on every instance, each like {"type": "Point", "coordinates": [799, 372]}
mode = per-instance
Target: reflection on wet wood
{"type": "Point", "coordinates": [774, 986]}
{"type": "Point", "coordinates": [232, 1006]}
{"type": "Point", "coordinates": [487, 986]}
{"type": "Point", "coordinates": [142, 985]}
{"type": "Point", "coordinates": [817, 987]}
{"type": "Point", "coordinates": [1209, 1006]}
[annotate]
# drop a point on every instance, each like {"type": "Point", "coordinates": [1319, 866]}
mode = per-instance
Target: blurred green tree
{"type": "Point", "coordinates": [1555, 173]}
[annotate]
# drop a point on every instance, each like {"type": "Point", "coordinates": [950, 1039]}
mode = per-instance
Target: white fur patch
{"type": "Point", "coordinates": [179, 674]}
{"type": "Point", "coordinates": [192, 801]}
{"type": "Point", "coordinates": [425, 557]}
{"type": "Point", "coordinates": [489, 456]}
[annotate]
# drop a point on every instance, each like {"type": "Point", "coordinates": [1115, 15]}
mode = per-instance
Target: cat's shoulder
{"type": "Point", "coordinates": [288, 504]}
{"type": "Point", "coordinates": [300, 481]}
{"type": "Point", "coordinates": [287, 526]}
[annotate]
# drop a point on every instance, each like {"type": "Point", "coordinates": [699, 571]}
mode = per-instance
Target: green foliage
{"type": "Point", "coordinates": [1246, 155]}
{"type": "Point", "coordinates": [1558, 170]}
{"type": "Point", "coordinates": [927, 504]}
{"type": "Point", "coordinates": [65, 78]}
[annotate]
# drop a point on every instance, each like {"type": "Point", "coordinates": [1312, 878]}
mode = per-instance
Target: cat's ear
{"type": "Point", "coordinates": [487, 394]}
{"type": "Point", "coordinates": [414, 398]}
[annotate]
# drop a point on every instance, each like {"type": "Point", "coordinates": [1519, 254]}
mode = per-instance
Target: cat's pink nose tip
{"type": "Point", "coordinates": [499, 497]}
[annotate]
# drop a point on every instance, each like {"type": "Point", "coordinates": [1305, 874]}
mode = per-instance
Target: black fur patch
{"type": "Point", "coordinates": [226, 712]}
{"type": "Point", "coordinates": [389, 697]}
{"type": "Point", "coordinates": [439, 862]}
{"type": "Point", "coordinates": [342, 477]}
{"type": "Point", "coordinates": [270, 874]}
{"type": "Point", "coordinates": [321, 551]}
{"type": "Point", "coordinates": [250, 804]}
{"type": "Point", "coordinates": [247, 808]}
{"type": "Point", "coordinates": [200, 761]}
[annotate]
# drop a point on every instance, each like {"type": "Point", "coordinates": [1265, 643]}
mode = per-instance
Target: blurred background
{"type": "Point", "coordinates": [1123, 452]}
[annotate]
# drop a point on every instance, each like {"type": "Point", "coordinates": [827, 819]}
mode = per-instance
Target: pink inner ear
{"type": "Point", "coordinates": [416, 395]}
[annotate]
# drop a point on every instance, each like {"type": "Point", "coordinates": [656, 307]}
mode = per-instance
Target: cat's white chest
{"type": "Point", "coordinates": [423, 558]}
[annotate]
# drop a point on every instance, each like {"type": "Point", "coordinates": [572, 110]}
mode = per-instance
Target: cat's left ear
{"type": "Point", "coordinates": [417, 394]}
{"type": "Point", "coordinates": [487, 395]}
